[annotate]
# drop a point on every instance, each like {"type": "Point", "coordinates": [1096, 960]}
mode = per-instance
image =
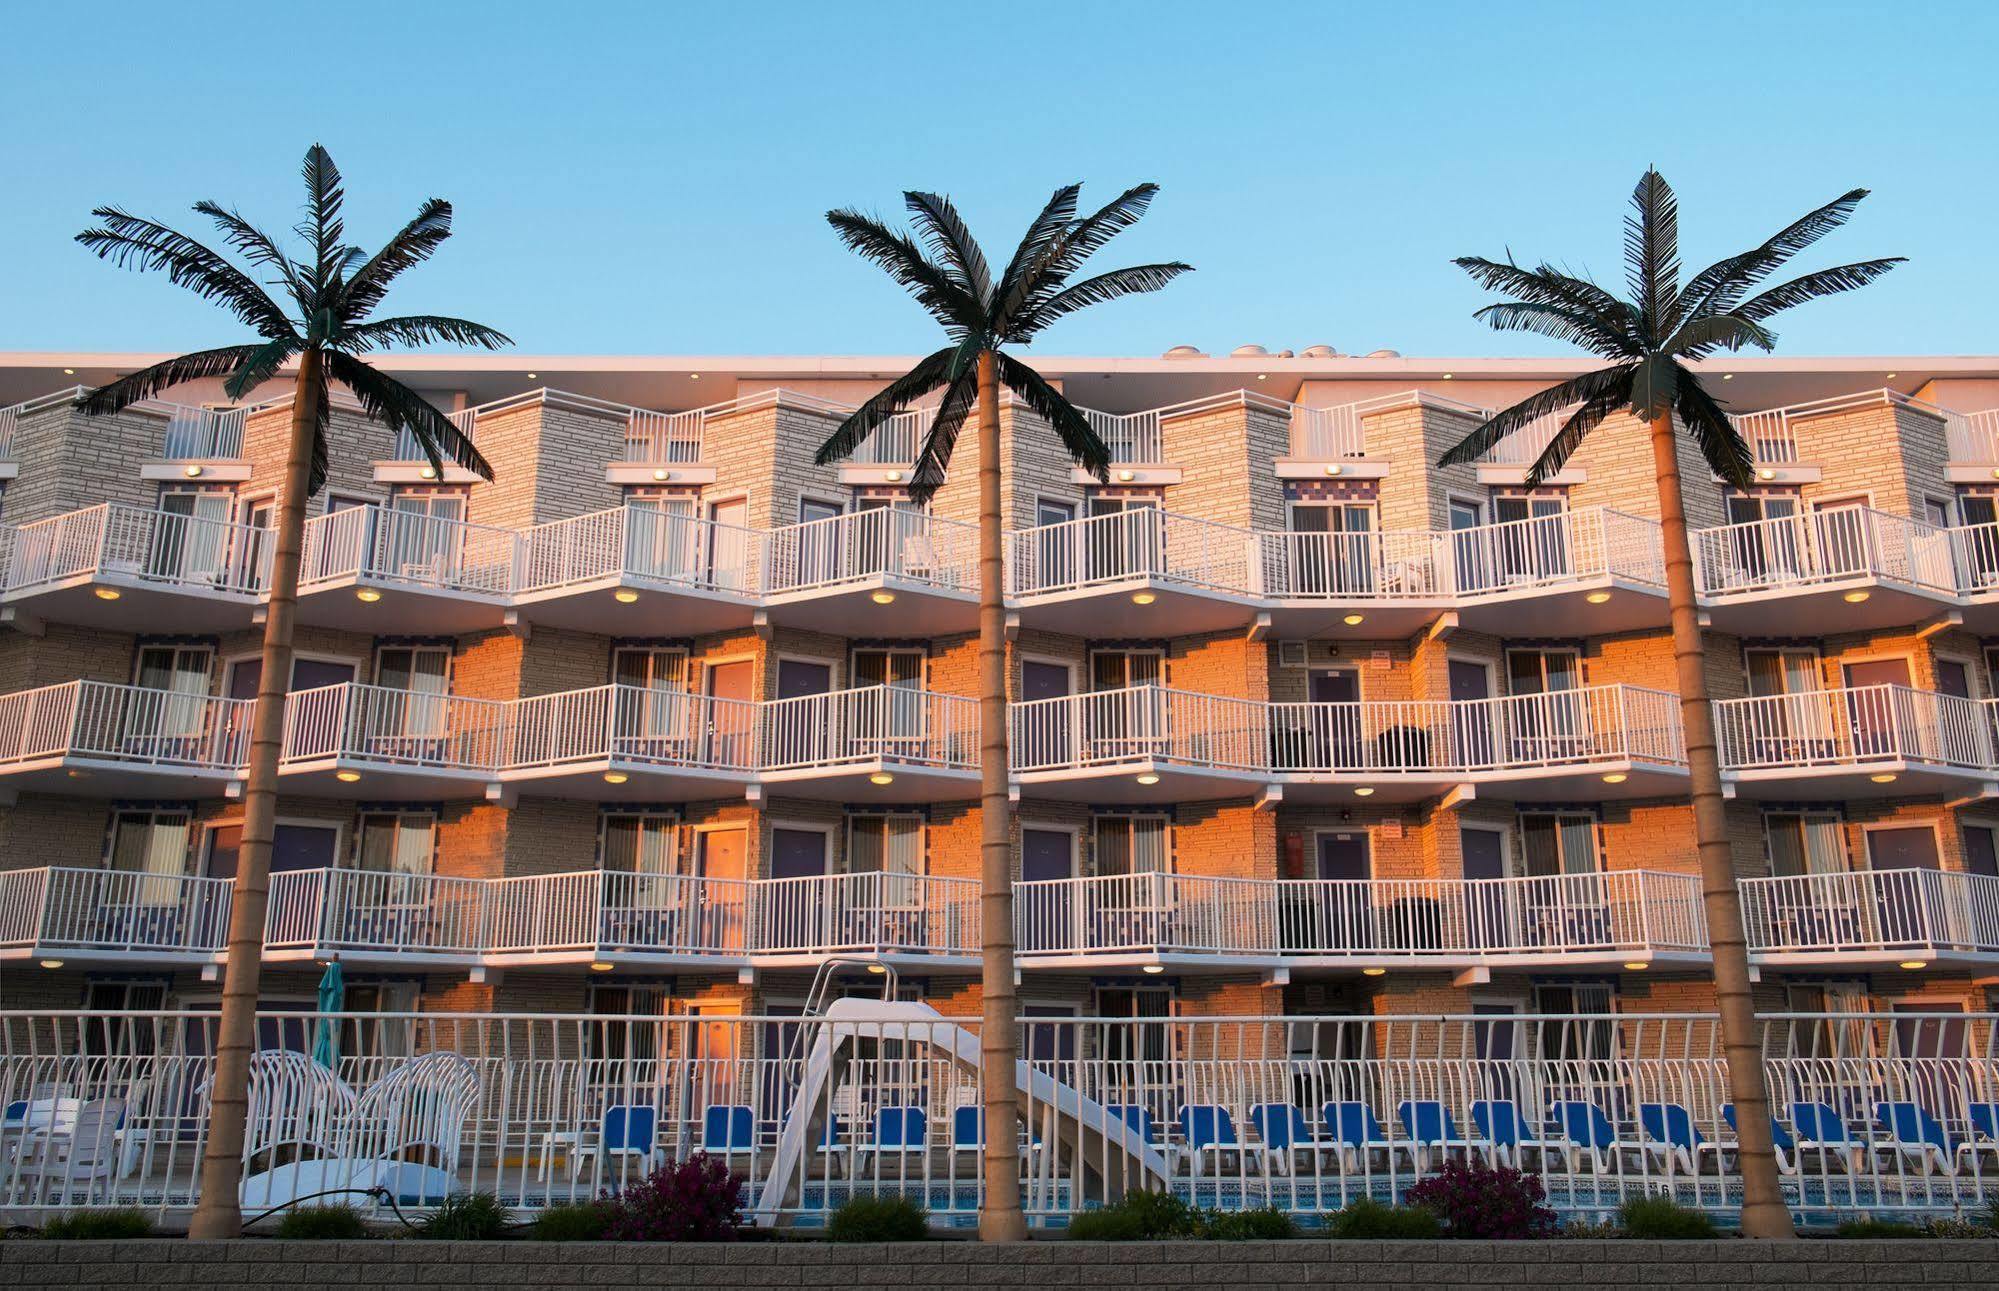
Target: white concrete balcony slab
{"type": "Point", "coordinates": [911, 920]}
{"type": "Point", "coordinates": [1149, 744]}
{"type": "Point", "coordinates": [1847, 570]}
{"type": "Point", "coordinates": [612, 918]}
{"type": "Point", "coordinates": [1578, 573]}
{"type": "Point", "coordinates": [1857, 742]}
{"type": "Point", "coordinates": [883, 571]}
{"type": "Point", "coordinates": [1914, 918]}
{"type": "Point", "coordinates": [103, 740]}
{"type": "Point", "coordinates": [116, 566]}
{"type": "Point", "coordinates": [879, 744]}
{"type": "Point", "coordinates": [382, 744]}
{"type": "Point", "coordinates": [387, 572]}
{"type": "Point", "coordinates": [636, 571]}
{"type": "Point", "coordinates": [62, 916]}
{"type": "Point", "coordinates": [1615, 919]}
{"type": "Point", "coordinates": [631, 744]}
{"type": "Point", "coordinates": [370, 916]}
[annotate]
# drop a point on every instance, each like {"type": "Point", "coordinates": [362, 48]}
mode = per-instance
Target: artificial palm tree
{"type": "Point", "coordinates": [331, 294]}
{"type": "Point", "coordinates": [1648, 341]}
{"type": "Point", "coordinates": [949, 276]}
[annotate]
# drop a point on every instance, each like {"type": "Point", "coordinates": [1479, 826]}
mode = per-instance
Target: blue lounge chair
{"type": "Point", "coordinates": [1357, 1134]}
{"type": "Point", "coordinates": [1672, 1138]}
{"type": "Point", "coordinates": [1781, 1142]}
{"type": "Point", "coordinates": [1139, 1118]}
{"type": "Point", "coordinates": [1503, 1132]}
{"type": "Point", "coordinates": [899, 1132]}
{"type": "Point", "coordinates": [1576, 1128]}
{"type": "Point", "coordinates": [1286, 1131]}
{"type": "Point", "coordinates": [1918, 1137]}
{"type": "Point", "coordinates": [628, 1132]}
{"type": "Point", "coordinates": [1430, 1127]}
{"type": "Point", "coordinates": [1207, 1129]}
{"type": "Point", "coordinates": [727, 1129]}
{"type": "Point", "coordinates": [1820, 1129]}
{"type": "Point", "coordinates": [968, 1132]}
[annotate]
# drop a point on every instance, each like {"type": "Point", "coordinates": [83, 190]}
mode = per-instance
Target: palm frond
{"type": "Point", "coordinates": [1085, 447]}
{"type": "Point", "coordinates": [1016, 284]}
{"type": "Point", "coordinates": [421, 329]}
{"type": "Point", "coordinates": [413, 244]}
{"type": "Point", "coordinates": [1563, 323]}
{"type": "Point", "coordinates": [944, 232]}
{"type": "Point", "coordinates": [1720, 442]}
{"type": "Point", "coordinates": [1077, 243]}
{"type": "Point", "coordinates": [1546, 285]}
{"type": "Point", "coordinates": [255, 245]}
{"type": "Point", "coordinates": [1103, 287]}
{"type": "Point", "coordinates": [905, 390]}
{"type": "Point", "coordinates": [1811, 286]}
{"type": "Point", "coordinates": [129, 241]}
{"type": "Point", "coordinates": [401, 408]}
{"type": "Point", "coordinates": [927, 475]}
{"type": "Point", "coordinates": [323, 227]}
{"type": "Point", "coordinates": [1652, 253]}
{"type": "Point", "coordinates": [149, 382]}
{"type": "Point", "coordinates": [905, 262]}
{"type": "Point", "coordinates": [260, 366]}
{"type": "Point", "coordinates": [1720, 285]}
{"type": "Point", "coordinates": [1702, 334]}
{"type": "Point", "coordinates": [1586, 417]}
{"type": "Point", "coordinates": [1535, 406]}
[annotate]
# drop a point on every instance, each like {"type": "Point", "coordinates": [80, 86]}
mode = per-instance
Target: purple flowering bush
{"type": "Point", "coordinates": [1480, 1201]}
{"type": "Point", "coordinates": [696, 1200]}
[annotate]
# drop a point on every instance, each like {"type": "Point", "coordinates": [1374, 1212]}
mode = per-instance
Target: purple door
{"type": "Point", "coordinates": [797, 677]}
{"type": "Point", "coordinates": [303, 847]}
{"type": "Point", "coordinates": [1048, 915]}
{"type": "Point", "coordinates": [797, 853]}
{"type": "Point", "coordinates": [1484, 857]}
{"type": "Point", "coordinates": [1044, 728]}
{"type": "Point", "coordinates": [1345, 910]}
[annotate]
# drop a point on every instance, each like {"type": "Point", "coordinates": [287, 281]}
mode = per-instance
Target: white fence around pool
{"type": "Point", "coordinates": [1881, 1114]}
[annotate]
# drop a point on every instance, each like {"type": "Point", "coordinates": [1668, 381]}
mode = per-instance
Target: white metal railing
{"type": "Point", "coordinates": [871, 912]}
{"type": "Point", "coordinates": [1390, 564]}
{"type": "Point", "coordinates": [880, 542]}
{"type": "Point", "coordinates": [1591, 543]}
{"type": "Point", "coordinates": [1321, 434]}
{"type": "Point", "coordinates": [378, 911]}
{"type": "Point", "coordinates": [1825, 546]}
{"type": "Point", "coordinates": [1876, 1113]}
{"type": "Point", "coordinates": [1133, 438]}
{"type": "Point", "coordinates": [201, 434]}
{"type": "Point", "coordinates": [1972, 438]}
{"type": "Point", "coordinates": [1770, 435]}
{"type": "Point", "coordinates": [896, 441]}
{"type": "Point", "coordinates": [1524, 446]}
{"type": "Point", "coordinates": [59, 909]}
{"type": "Point", "coordinates": [379, 544]}
{"type": "Point", "coordinates": [632, 724]}
{"type": "Point", "coordinates": [1851, 725]}
{"type": "Point", "coordinates": [412, 728]}
{"type": "Point", "coordinates": [1872, 910]}
{"type": "Point", "coordinates": [614, 912]}
{"type": "Point", "coordinates": [1589, 724]}
{"type": "Point", "coordinates": [869, 724]}
{"type": "Point", "coordinates": [1142, 543]}
{"type": "Point", "coordinates": [1975, 554]}
{"type": "Point", "coordinates": [640, 544]}
{"type": "Point", "coordinates": [135, 725]}
{"type": "Point", "coordinates": [140, 544]}
{"type": "Point", "coordinates": [1624, 911]}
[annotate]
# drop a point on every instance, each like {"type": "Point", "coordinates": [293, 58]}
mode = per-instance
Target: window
{"type": "Point", "coordinates": [1132, 845]}
{"type": "Point", "coordinates": [902, 668]}
{"type": "Point", "coordinates": [1825, 1038]}
{"type": "Point", "coordinates": [149, 842]}
{"type": "Point", "coordinates": [181, 669]}
{"type": "Point", "coordinates": [1538, 672]}
{"type": "Point", "coordinates": [1466, 514]}
{"type": "Point", "coordinates": [649, 668]}
{"type": "Point", "coordinates": [1581, 1025]}
{"type": "Point", "coordinates": [390, 842]}
{"type": "Point", "coordinates": [810, 509]}
{"type": "Point", "coordinates": [619, 1041]}
{"type": "Point", "coordinates": [107, 1034]}
{"type": "Point", "coordinates": [1049, 511]}
{"type": "Point", "coordinates": [1117, 669]}
{"type": "Point", "coordinates": [424, 669]}
{"type": "Point", "coordinates": [641, 843]}
{"type": "Point", "coordinates": [179, 675]}
{"type": "Point", "coordinates": [435, 503]}
{"type": "Point", "coordinates": [1135, 1052]}
{"type": "Point", "coordinates": [1953, 678]}
{"type": "Point", "coordinates": [890, 844]}
{"type": "Point", "coordinates": [1781, 671]}
{"type": "Point", "coordinates": [1750, 508]}
{"type": "Point", "coordinates": [1804, 842]}
{"type": "Point", "coordinates": [1937, 512]}
{"type": "Point", "coordinates": [1559, 842]}
{"type": "Point", "coordinates": [387, 1037]}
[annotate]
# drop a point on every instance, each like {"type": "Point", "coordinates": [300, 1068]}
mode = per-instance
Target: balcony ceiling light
{"type": "Point", "coordinates": [346, 777]}
{"type": "Point", "coordinates": [106, 593]}
{"type": "Point", "coordinates": [428, 472]}
{"type": "Point", "coordinates": [1450, 376]}
{"type": "Point", "coordinates": [878, 969]}
{"type": "Point", "coordinates": [78, 773]}
{"type": "Point", "coordinates": [1995, 472]}
{"type": "Point", "coordinates": [599, 966]}
{"type": "Point", "coordinates": [1154, 968]}
{"type": "Point", "coordinates": [1364, 791]}
{"type": "Point", "coordinates": [881, 778]}
{"type": "Point", "coordinates": [892, 476]}
{"type": "Point", "coordinates": [1728, 376]}
{"type": "Point", "coordinates": [192, 470]}
{"type": "Point", "coordinates": [1766, 472]}
{"type": "Point", "coordinates": [882, 596]}
{"type": "Point", "coordinates": [693, 376]}
{"type": "Point", "coordinates": [367, 595]}
{"type": "Point", "coordinates": [1263, 376]}
{"type": "Point", "coordinates": [662, 474]}
{"type": "Point", "coordinates": [1893, 375]}
{"type": "Point", "coordinates": [1913, 964]}
{"type": "Point", "coordinates": [1598, 598]}
{"type": "Point", "coordinates": [615, 777]}
{"type": "Point", "coordinates": [1885, 777]}
{"type": "Point", "coordinates": [1637, 966]}
{"type": "Point", "coordinates": [1334, 468]}
{"type": "Point", "coordinates": [1354, 620]}
{"type": "Point", "coordinates": [52, 963]}
{"type": "Point", "coordinates": [1856, 597]}
{"type": "Point", "coordinates": [1374, 972]}
{"type": "Point", "coordinates": [624, 596]}
{"type": "Point", "coordinates": [69, 372]}
{"type": "Point", "coordinates": [1143, 598]}
{"type": "Point", "coordinates": [1148, 777]}
{"type": "Point", "coordinates": [1615, 777]}
{"type": "Point", "coordinates": [534, 376]}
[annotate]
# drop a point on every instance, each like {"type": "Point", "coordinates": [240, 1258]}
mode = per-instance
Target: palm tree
{"type": "Point", "coordinates": [331, 293]}
{"type": "Point", "coordinates": [1648, 342]}
{"type": "Point", "coordinates": [949, 276]}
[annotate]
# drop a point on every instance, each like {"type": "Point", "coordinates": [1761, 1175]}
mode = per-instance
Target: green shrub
{"type": "Point", "coordinates": [1661, 1219]}
{"type": "Point", "coordinates": [1264, 1224]}
{"type": "Point", "coordinates": [1138, 1216]}
{"type": "Point", "coordinates": [581, 1221]}
{"type": "Point", "coordinates": [1370, 1220]}
{"type": "Point", "coordinates": [878, 1219]}
{"type": "Point", "coordinates": [1954, 1227]}
{"type": "Point", "coordinates": [322, 1224]}
{"type": "Point", "coordinates": [1877, 1228]}
{"type": "Point", "coordinates": [98, 1225]}
{"type": "Point", "coordinates": [466, 1217]}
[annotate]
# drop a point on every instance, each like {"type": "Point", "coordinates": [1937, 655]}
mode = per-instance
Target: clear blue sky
{"type": "Point", "coordinates": [651, 179]}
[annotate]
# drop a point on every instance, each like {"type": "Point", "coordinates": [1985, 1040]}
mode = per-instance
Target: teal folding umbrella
{"type": "Point", "coordinates": [332, 999]}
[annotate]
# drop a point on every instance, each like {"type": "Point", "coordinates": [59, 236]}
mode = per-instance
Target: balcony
{"type": "Point", "coordinates": [882, 744]}
{"type": "Point", "coordinates": [348, 741]}
{"type": "Point", "coordinates": [630, 744]}
{"type": "Point", "coordinates": [1858, 742]}
{"type": "Point", "coordinates": [910, 919]}
{"type": "Point", "coordinates": [103, 740]}
{"type": "Point", "coordinates": [1609, 919]}
{"type": "Point", "coordinates": [112, 565]}
{"type": "Point", "coordinates": [371, 569]}
{"type": "Point", "coordinates": [1975, 551]}
{"type": "Point", "coordinates": [1913, 918]}
{"type": "Point", "coordinates": [196, 435]}
{"type": "Point", "coordinates": [608, 917]}
{"type": "Point", "coordinates": [839, 574]}
{"type": "Point", "coordinates": [1585, 572]}
{"type": "Point", "coordinates": [369, 916]}
{"type": "Point", "coordinates": [1153, 745]}
{"type": "Point", "coordinates": [1846, 570]}
{"type": "Point", "coordinates": [55, 914]}
{"type": "Point", "coordinates": [1132, 573]}
{"type": "Point", "coordinates": [637, 571]}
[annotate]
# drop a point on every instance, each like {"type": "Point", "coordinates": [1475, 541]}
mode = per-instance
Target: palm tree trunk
{"type": "Point", "coordinates": [218, 1214]}
{"type": "Point", "coordinates": [1000, 1219]}
{"type": "Point", "coordinates": [1763, 1211]}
